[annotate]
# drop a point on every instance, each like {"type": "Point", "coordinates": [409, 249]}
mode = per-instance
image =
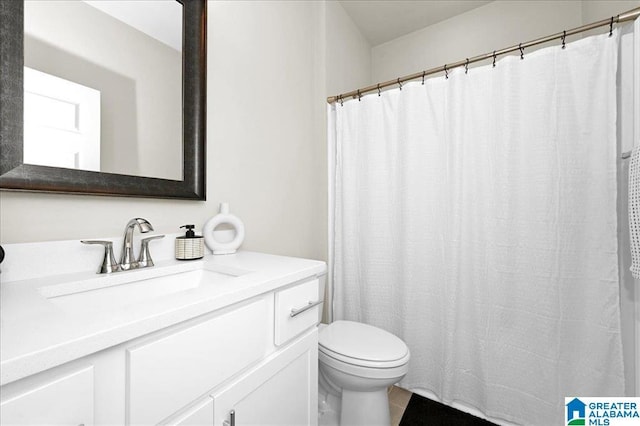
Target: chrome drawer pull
{"type": "Point", "coordinates": [310, 305]}
{"type": "Point", "coordinates": [232, 419]}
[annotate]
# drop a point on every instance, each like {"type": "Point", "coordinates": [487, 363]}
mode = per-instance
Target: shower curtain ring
{"type": "Point", "coordinates": [494, 58]}
{"type": "Point", "coordinates": [359, 95]}
{"type": "Point", "coordinates": [466, 66]}
{"type": "Point", "coordinates": [611, 27]}
{"type": "Point", "coordinates": [378, 89]}
{"type": "Point", "coordinates": [446, 73]}
{"type": "Point", "coordinates": [399, 83]}
{"type": "Point", "coordinates": [341, 100]}
{"type": "Point", "coordinates": [564, 36]}
{"type": "Point", "coordinates": [521, 51]}
{"type": "Point", "coordinates": [423, 74]}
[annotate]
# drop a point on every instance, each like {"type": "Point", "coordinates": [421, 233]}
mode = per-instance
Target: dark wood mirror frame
{"type": "Point", "coordinates": [14, 175]}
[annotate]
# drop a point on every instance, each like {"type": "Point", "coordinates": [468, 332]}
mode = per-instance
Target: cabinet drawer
{"type": "Point", "coordinates": [68, 400]}
{"type": "Point", "coordinates": [167, 374]}
{"type": "Point", "coordinates": [200, 416]}
{"type": "Point", "coordinates": [292, 315]}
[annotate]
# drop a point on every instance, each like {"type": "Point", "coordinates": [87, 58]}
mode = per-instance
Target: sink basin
{"type": "Point", "coordinates": [128, 288]}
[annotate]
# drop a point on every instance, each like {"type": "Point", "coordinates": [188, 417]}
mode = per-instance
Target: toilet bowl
{"type": "Point", "coordinates": [358, 362]}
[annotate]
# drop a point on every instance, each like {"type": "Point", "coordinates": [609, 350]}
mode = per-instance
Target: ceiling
{"type": "Point", "coordinates": [380, 21]}
{"type": "Point", "coordinates": [160, 19]}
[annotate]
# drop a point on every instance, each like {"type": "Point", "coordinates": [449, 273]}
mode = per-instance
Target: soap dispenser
{"type": "Point", "coordinates": [191, 246]}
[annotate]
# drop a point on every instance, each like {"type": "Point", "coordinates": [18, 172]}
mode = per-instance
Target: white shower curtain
{"type": "Point", "coordinates": [475, 217]}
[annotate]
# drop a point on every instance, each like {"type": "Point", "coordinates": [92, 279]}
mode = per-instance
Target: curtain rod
{"type": "Point", "coordinates": [355, 94]}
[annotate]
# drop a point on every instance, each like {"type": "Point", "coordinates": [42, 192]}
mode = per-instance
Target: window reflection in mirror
{"type": "Point", "coordinates": [103, 86]}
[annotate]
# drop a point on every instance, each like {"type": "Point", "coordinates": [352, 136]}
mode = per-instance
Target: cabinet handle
{"type": "Point", "coordinates": [310, 305]}
{"type": "Point", "coordinates": [232, 419]}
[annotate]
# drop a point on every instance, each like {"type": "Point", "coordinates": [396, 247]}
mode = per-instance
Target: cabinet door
{"type": "Point", "coordinates": [167, 374]}
{"type": "Point", "coordinates": [65, 401]}
{"type": "Point", "coordinates": [283, 390]}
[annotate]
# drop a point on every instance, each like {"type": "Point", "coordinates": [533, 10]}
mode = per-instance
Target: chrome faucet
{"type": "Point", "coordinates": [127, 258]}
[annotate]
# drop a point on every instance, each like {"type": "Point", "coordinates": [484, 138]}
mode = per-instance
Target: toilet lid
{"type": "Point", "coordinates": [357, 341]}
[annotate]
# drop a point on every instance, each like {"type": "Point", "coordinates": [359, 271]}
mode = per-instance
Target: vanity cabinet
{"type": "Point", "coordinates": [201, 415]}
{"type": "Point", "coordinates": [169, 372]}
{"type": "Point", "coordinates": [253, 358]}
{"type": "Point", "coordinates": [66, 400]}
{"type": "Point", "coordinates": [281, 391]}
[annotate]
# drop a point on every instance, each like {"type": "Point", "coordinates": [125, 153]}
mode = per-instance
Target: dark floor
{"type": "Point", "coordinates": [422, 411]}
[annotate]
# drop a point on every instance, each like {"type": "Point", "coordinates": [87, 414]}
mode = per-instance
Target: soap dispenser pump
{"type": "Point", "coordinates": [191, 246]}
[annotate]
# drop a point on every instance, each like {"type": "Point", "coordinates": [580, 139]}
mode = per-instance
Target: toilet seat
{"type": "Point", "coordinates": [363, 362]}
{"type": "Point", "coordinates": [362, 345]}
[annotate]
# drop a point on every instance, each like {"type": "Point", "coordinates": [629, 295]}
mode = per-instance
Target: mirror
{"type": "Point", "coordinates": [103, 86]}
{"type": "Point", "coordinates": [119, 169]}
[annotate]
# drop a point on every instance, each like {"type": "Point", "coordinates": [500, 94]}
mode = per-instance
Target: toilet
{"type": "Point", "coordinates": [358, 362]}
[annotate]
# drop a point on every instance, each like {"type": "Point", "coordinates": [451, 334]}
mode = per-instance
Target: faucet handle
{"type": "Point", "coordinates": [109, 263]}
{"type": "Point", "coordinates": [145, 256]}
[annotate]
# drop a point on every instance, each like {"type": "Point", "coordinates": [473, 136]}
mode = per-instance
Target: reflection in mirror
{"type": "Point", "coordinates": [16, 175]}
{"type": "Point", "coordinates": [103, 86]}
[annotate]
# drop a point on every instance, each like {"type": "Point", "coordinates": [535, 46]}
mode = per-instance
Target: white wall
{"type": "Point", "coordinates": [494, 26]}
{"type": "Point", "coordinates": [266, 152]}
{"type": "Point", "coordinates": [348, 52]}
{"type": "Point", "coordinates": [593, 10]}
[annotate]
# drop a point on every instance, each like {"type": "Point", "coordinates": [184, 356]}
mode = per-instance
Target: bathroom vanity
{"type": "Point", "coordinates": [225, 340]}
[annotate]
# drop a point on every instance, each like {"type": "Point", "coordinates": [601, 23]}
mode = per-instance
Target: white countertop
{"type": "Point", "coordinates": [37, 334]}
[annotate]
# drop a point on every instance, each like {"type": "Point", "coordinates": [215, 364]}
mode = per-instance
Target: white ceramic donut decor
{"type": "Point", "coordinates": [223, 218]}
